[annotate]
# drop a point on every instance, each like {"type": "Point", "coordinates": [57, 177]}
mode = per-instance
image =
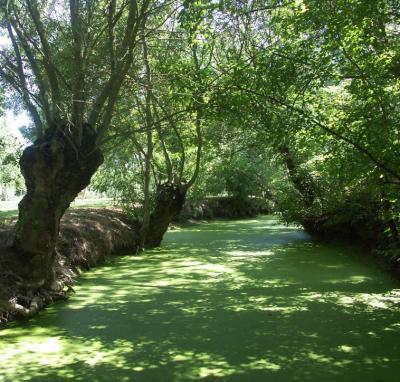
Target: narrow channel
{"type": "Point", "coordinates": [249, 300]}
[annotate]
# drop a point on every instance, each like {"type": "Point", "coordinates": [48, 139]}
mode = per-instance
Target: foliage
{"type": "Point", "coordinates": [295, 102]}
{"type": "Point", "coordinates": [10, 152]}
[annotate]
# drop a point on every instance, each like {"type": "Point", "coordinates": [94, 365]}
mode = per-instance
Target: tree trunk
{"type": "Point", "coordinates": [304, 185]}
{"type": "Point", "coordinates": [169, 203]}
{"type": "Point", "coordinates": [55, 171]}
{"type": "Point", "coordinates": [390, 222]}
{"type": "Point", "coordinates": [144, 229]}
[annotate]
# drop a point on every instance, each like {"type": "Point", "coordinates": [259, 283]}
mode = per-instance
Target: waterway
{"type": "Point", "coordinates": [250, 300]}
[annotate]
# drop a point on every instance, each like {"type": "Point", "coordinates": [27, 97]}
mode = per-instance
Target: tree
{"type": "Point", "coordinates": [165, 123]}
{"type": "Point", "coordinates": [66, 63]}
{"type": "Point", "coordinates": [321, 79]}
{"type": "Point", "coordinates": [10, 152]}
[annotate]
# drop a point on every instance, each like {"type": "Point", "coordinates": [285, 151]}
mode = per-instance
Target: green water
{"type": "Point", "coordinates": [224, 301]}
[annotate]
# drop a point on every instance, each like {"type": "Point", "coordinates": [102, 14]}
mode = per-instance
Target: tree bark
{"type": "Point", "coordinates": [169, 203]}
{"type": "Point", "coordinates": [55, 171]}
{"type": "Point", "coordinates": [302, 184]}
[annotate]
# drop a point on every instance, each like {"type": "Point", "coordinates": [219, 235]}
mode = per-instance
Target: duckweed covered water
{"type": "Point", "coordinates": [223, 301]}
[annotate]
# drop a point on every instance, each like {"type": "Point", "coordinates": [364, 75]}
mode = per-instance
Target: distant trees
{"type": "Point", "coordinates": [10, 152]}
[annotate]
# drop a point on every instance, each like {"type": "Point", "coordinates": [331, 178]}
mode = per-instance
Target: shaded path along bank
{"type": "Point", "coordinates": [224, 301]}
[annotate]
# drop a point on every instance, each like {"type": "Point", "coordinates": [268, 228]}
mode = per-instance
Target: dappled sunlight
{"type": "Point", "coordinates": [218, 305]}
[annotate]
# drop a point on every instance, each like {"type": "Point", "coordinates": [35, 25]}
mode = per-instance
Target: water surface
{"type": "Point", "coordinates": [223, 301]}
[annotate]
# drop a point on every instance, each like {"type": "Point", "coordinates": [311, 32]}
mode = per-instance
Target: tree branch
{"type": "Point", "coordinates": [23, 85]}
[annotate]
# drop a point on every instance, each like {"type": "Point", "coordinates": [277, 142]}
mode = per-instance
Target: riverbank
{"type": "Point", "coordinates": [87, 238]}
{"type": "Point", "coordinates": [365, 233]}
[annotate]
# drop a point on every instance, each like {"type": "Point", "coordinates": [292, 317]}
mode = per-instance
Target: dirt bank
{"type": "Point", "coordinates": [87, 238]}
{"type": "Point", "coordinates": [223, 207]}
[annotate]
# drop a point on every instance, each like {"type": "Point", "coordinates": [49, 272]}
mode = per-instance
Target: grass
{"type": "Point", "coordinates": [10, 209]}
{"type": "Point", "coordinates": [8, 214]}
{"type": "Point", "coordinates": [222, 301]}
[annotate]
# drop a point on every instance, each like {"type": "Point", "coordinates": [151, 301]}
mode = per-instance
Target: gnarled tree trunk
{"type": "Point", "coordinates": [303, 184]}
{"type": "Point", "coordinates": [55, 171]}
{"type": "Point", "coordinates": [169, 203]}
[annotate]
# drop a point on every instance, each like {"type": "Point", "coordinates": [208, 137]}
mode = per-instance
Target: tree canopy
{"type": "Point", "coordinates": [293, 102]}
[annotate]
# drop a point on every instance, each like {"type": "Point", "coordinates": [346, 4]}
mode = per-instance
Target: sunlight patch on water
{"type": "Point", "coordinates": [321, 358]}
{"type": "Point", "coordinates": [247, 254]}
{"type": "Point", "coordinates": [206, 365]}
{"type": "Point", "coordinates": [56, 352]}
{"type": "Point", "coordinates": [261, 364]}
{"type": "Point", "coordinates": [386, 300]}
{"type": "Point", "coordinates": [347, 349]}
{"type": "Point", "coordinates": [355, 279]}
{"type": "Point", "coordinates": [50, 345]}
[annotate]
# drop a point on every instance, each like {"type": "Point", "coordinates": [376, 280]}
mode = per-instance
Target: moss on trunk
{"type": "Point", "coordinates": [169, 203]}
{"type": "Point", "coordinates": [55, 171]}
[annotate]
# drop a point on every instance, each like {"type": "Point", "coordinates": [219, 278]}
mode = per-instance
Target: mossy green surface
{"type": "Point", "coordinates": [222, 301]}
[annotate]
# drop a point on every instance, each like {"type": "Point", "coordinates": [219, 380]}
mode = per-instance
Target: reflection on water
{"type": "Point", "coordinates": [229, 301]}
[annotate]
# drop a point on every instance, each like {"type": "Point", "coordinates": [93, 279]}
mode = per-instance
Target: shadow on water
{"type": "Point", "coordinates": [225, 301]}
